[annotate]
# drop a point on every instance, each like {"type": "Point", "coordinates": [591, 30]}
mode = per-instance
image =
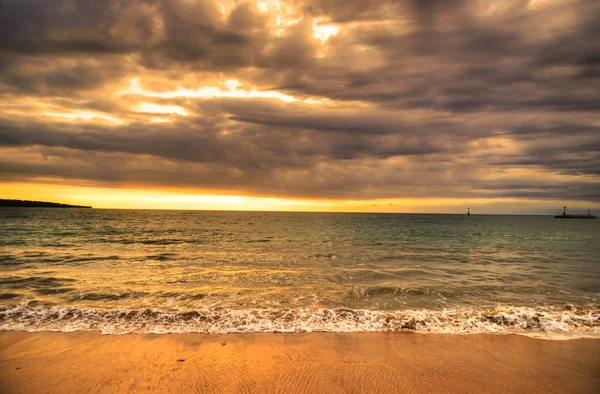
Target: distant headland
{"type": "Point", "coordinates": [36, 204]}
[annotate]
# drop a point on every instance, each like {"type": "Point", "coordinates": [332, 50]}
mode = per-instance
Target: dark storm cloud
{"type": "Point", "coordinates": [349, 121]}
{"type": "Point", "coordinates": [568, 148]}
{"type": "Point", "coordinates": [498, 59]}
{"type": "Point", "coordinates": [419, 97]}
{"type": "Point", "coordinates": [328, 180]}
{"type": "Point", "coordinates": [249, 143]}
{"type": "Point", "coordinates": [31, 27]}
{"type": "Point", "coordinates": [160, 34]}
{"type": "Point", "coordinates": [176, 29]}
{"type": "Point", "coordinates": [61, 77]}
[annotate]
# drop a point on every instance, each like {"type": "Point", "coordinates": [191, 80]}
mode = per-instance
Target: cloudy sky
{"type": "Point", "coordinates": [346, 105]}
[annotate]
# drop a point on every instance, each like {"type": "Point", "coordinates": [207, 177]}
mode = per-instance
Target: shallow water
{"type": "Point", "coordinates": [189, 271]}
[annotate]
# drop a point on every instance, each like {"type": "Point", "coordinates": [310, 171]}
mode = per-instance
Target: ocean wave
{"type": "Point", "coordinates": [158, 241]}
{"type": "Point", "coordinates": [36, 282]}
{"type": "Point", "coordinates": [507, 319]}
{"type": "Point", "coordinates": [99, 296]}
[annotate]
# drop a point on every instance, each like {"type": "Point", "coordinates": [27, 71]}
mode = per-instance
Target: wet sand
{"type": "Point", "coordinates": [288, 363]}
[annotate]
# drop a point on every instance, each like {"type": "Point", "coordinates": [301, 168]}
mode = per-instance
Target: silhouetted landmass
{"type": "Point", "coordinates": [36, 204]}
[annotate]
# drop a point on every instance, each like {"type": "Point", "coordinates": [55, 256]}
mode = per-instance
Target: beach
{"type": "Point", "coordinates": [47, 362]}
{"type": "Point", "coordinates": [115, 301]}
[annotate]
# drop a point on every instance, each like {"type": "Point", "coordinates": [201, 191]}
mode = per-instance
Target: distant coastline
{"type": "Point", "coordinates": [36, 204]}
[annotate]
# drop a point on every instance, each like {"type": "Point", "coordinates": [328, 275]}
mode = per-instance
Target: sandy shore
{"type": "Point", "coordinates": [285, 363]}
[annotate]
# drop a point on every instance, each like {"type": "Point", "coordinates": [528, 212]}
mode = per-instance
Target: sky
{"type": "Point", "coordinates": [318, 105]}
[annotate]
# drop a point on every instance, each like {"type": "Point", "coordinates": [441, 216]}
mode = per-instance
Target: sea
{"type": "Point", "coordinates": [151, 271]}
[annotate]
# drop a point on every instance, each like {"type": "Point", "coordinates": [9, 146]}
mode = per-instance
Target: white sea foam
{"type": "Point", "coordinates": [505, 319]}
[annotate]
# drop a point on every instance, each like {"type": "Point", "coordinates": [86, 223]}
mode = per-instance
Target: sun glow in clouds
{"type": "Point", "coordinates": [231, 89]}
{"type": "Point", "coordinates": [83, 115]}
{"type": "Point", "coordinates": [284, 16]}
{"type": "Point", "coordinates": [160, 120]}
{"type": "Point", "coordinates": [277, 7]}
{"type": "Point", "coordinates": [323, 32]}
{"type": "Point", "coordinates": [160, 109]}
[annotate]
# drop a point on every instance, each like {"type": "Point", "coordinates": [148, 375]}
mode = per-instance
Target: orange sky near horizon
{"type": "Point", "coordinates": [103, 198]}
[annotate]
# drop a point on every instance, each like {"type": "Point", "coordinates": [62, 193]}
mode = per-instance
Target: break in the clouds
{"type": "Point", "coordinates": [305, 99]}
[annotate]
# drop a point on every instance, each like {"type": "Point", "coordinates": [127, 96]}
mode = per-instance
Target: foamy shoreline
{"type": "Point", "coordinates": [308, 362]}
{"type": "Point", "coordinates": [546, 322]}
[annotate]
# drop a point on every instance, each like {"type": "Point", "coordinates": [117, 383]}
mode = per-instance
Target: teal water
{"type": "Point", "coordinates": [188, 271]}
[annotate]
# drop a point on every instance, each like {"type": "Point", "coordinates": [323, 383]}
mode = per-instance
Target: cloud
{"type": "Point", "coordinates": [408, 99]}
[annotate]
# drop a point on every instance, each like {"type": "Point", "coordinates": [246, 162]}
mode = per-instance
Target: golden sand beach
{"type": "Point", "coordinates": [288, 363]}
